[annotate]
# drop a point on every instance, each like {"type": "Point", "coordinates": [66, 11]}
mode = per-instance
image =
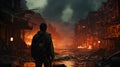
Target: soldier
{"type": "Point", "coordinates": [42, 49]}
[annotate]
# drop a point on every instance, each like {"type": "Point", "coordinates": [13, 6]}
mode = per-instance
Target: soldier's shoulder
{"type": "Point", "coordinates": [36, 36]}
{"type": "Point", "coordinates": [48, 33]}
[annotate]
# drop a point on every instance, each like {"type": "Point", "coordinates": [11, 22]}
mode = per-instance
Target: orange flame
{"type": "Point", "coordinates": [90, 47]}
{"type": "Point", "coordinates": [81, 47]}
{"type": "Point", "coordinates": [85, 47]}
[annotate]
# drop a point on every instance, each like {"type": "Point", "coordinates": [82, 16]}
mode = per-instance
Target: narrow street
{"type": "Point", "coordinates": [70, 57]}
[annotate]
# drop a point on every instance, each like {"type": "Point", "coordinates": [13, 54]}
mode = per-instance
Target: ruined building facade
{"type": "Point", "coordinates": [104, 25]}
{"type": "Point", "coordinates": [12, 25]}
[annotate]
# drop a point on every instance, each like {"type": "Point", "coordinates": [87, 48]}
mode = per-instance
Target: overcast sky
{"type": "Point", "coordinates": [64, 10]}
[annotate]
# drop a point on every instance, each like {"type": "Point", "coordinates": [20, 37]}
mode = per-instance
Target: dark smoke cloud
{"type": "Point", "coordinates": [23, 4]}
{"type": "Point", "coordinates": [54, 9]}
{"type": "Point", "coordinates": [80, 7]}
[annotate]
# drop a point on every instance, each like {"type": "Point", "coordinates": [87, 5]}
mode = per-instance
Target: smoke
{"type": "Point", "coordinates": [67, 14]}
{"type": "Point", "coordinates": [66, 31]}
{"type": "Point", "coordinates": [37, 4]}
{"type": "Point", "coordinates": [83, 7]}
{"type": "Point", "coordinates": [23, 4]}
{"type": "Point", "coordinates": [63, 14]}
{"type": "Point", "coordinates": [54, 9]}
{"type": "Point", "coordinates": [57, 9]}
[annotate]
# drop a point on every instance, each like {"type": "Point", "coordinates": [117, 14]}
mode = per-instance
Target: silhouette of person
{"type": "Point", "coordinates": [42, 49]}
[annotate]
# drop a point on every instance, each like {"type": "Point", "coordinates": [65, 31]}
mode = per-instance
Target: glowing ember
{"type": "Point", "coordinates": [28, 43]}
{"type": "Point", "coordinates": [85, 47]}
{"type": "Point", "coordinates": [99, 42]}
{"type": "Point", "coordinates": [28, 39]}
{"type": "Point", "coordinates": [29, 64]}
{"type": "Point", "coordinates": [81, 47]}
{"type": "Point", "coordinates": [90, 47]}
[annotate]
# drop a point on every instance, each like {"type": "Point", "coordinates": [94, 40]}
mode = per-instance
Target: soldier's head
{"type": "Point", "coordinates": [43, 26]}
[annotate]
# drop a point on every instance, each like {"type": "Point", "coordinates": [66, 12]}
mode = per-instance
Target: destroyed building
{"type": "Point", "coordinates": [105, 24]}
{"type": "Point", "coordinates": [12, 26]}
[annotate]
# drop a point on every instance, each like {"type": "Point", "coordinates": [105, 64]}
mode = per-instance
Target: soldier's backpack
{"type": "Point", "coordinates": [41, 44]}
{"type": "Point", "coordinates": [39, 47]}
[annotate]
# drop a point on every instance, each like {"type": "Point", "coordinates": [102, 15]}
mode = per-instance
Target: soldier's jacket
{"type": "Point", "coordinates": [48, 47]}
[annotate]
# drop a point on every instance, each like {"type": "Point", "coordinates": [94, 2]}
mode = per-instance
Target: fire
{"type": "Point", "coordinates": [81, 47]}
{"type": "Point", "coordinates": [28, 39]}
{"type": "Point", "coordinates": [99, 41]}
{"type": "Point", "coordinates": [28, 43]}
{"type": "Point", "coordinates": [90, 47]}
{"type": "Point", "coordinates": [57, 32]}
{"type": "Point", "coordinates": [85, 47]}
